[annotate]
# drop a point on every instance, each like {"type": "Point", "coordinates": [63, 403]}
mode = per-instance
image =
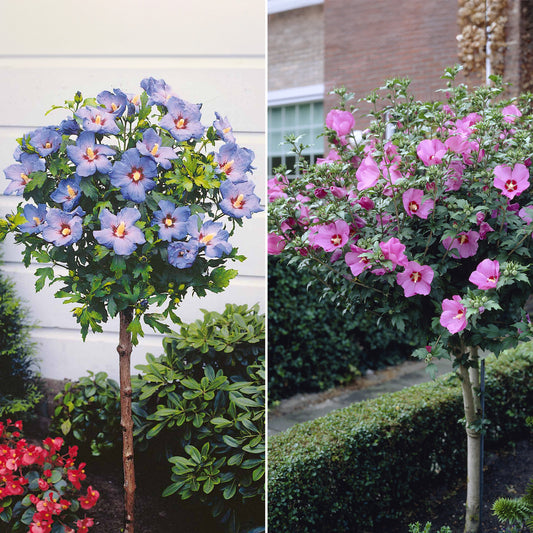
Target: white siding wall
{"type": "Point", "coordinates": [208, 51]}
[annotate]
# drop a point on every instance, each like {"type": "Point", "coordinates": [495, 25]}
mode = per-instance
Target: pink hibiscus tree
{"type": "Point", "coordinates": [439, 234]}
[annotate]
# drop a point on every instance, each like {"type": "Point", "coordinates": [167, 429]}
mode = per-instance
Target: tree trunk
{"type": "Point", "coordinates": [469, 376]}
{"type": "Point", "coordinates": [126, 420]}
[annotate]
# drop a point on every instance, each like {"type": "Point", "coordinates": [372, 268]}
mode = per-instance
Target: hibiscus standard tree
{"type": "Point", "coordinates": [131, 202]}
{"type": "Point", "coordinates": [425, 219]}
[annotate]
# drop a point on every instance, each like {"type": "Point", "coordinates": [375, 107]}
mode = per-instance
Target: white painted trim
{"type": "Point", "coordinates": [277, 6]}
{"type": "Point", "coordinates": [295, 95]}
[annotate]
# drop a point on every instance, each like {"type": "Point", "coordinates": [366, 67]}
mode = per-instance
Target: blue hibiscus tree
{"type": "Point", "coordinates": [129, 204]}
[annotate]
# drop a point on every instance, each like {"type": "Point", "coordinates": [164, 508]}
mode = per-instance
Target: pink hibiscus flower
{"type": "Point", "coordinates": [367, 174]}
{"type": "Point", "coordinates": [412, 202]}
{"type": "Point", "coordinates": [453, 316]}
{"type": "Point", "coordinates": [455, 176]}
{"type": "Point", "coordinates": [431, 151]}
{"type": "Point", "coordinates": [330, 236]}
{"type": "Point", "coordinates": [415, 279]}
{"type": "Point", "coordinates": [393, 250]}
{"type": "Point", "coordinates": [275, 243]}
{"type": "Point", "coordinates": [511, 113]}
{"type": "Point", "coordinates": [330, 158]}
{"type": "Point", "coordinates": [511, 182]}
{"type": "Point", "coordinates": [356, 261]}
{"type": "Point", "coordinates": [340, 121]}
{"type": "Point", "coordinates": [465, 243]}
{"type": "Point", "coordinates": [486, 275]}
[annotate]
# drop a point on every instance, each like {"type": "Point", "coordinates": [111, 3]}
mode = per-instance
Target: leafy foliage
{"type": "Point", "coordinates": [87, 414]}
{"type": "Point", "coordinates": [19, 386]}
{"type": "Point", "coordinates": [434, 181]}
{"type": "Point", "coordinates": [517, 511]}
{"type": "Point", "coordinates": [98, 226]}
{"type": "Point", "coordinates": [314, 344]}
{"type": "Point", "coordinates": [202, 405]}
{"type": "Point", "coordinates": [322, 473]}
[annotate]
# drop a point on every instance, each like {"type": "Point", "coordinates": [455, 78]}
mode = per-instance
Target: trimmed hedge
{"type": "Point", "coordinates": [361, 468]}
{"type": "Point", "coordinates": [313, 344]}
{"type": "Point", "coordinates": [20, 388]}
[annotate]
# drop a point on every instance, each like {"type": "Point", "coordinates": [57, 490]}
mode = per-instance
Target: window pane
{"type": "Point", "coordinates": [298, 119]}
{"type": "Point", "coordinates": [274, 118]}
{"type": "Point", "coordinates": [304, 114]}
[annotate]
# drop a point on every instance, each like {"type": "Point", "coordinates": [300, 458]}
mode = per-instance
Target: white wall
{"type": "Point", "coordinates": [208, 51]}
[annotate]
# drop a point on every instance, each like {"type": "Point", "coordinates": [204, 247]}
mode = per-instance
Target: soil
{"type": "Point", "coordinates": [507, 473]}
{"type": "Point", "coordinates": [153, 514]}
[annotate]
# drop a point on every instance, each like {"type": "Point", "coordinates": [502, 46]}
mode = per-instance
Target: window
{"type": "Point", "coordinates": [302, 118]}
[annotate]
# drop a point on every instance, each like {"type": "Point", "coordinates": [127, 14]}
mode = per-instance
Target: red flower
{"type": "Point", "coordinates": [90, 499]}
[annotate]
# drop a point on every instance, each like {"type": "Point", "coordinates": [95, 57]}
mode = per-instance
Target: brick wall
{"type": "Point", "coordinates": [367, 41]}
{"type": "Point", "coordinates": [296, 48]}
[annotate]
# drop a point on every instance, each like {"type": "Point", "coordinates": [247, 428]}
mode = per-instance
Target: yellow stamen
{"type": "Point", "coordinates": [510, 185]}
{"type": "Point", "coordinates": [459, 314]}
{"type": "Point", "coordinates": [135, 99]}
{"type": "Point", "coordinates": [114, 107]}
{"type": "Point", "coordinates": [90, 153]}
{"type": "Point", "coordinates": [180, 124]}
{"type": "Point", "coordinates": [227, 166]}
{"type": "Point", "coordinates": [225, 130]}
{"type": "Point", "coordinates": [66, 231]}
{"type": "Point", "coordinates": [121, 230]}
{"type": "Point", "coordinates": [98, 119]}
{"type": "Point", "coordinates": [206, 238]}
{"type": "Point", "coordinates": [24, 177]}
{"type": "Point", "coordinates": [416, 277]}
{"type": "Point", "coordinates": [48, 145]}
{"type": "Point", "coordinates": [37, 221]}
{"type": "Point", "coordinates": [463, 239]}
{"type": "Point", "coordinates": [154, 150]}
{"type": "Point", "coordinates": [168, 222]}
{"type": "Point", "coordinates": [237, 203]}
{"type": "Point", "coordinates": [413, 206]}
{"type": "Point", "coordinates": [336, 239]}
{"type": "Point", "coordinates": [71, 192]}
{"type": "Point", "coordinates": [136, 176]}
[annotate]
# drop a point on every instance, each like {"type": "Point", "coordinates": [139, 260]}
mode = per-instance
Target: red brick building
{"type": "Point", "coordinates": [316, 45]}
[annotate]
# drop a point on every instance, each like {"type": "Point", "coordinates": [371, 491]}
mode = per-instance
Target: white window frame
{"type": "Point", "coordinates": [297, 95]}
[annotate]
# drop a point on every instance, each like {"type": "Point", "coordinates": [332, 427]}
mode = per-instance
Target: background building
{"type": "Point", "coordinates": [210, 52]}
{"type": "Point", "coordinates": [317, 45]}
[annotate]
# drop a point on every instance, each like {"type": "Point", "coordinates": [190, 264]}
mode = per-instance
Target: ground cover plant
{"type": "Point", "coordinates": [423, 219]}
{"type": "Point", "coordinates": [131, 204]}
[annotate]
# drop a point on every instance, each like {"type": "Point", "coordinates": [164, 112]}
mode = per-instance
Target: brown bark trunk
{"type": "Point", "coordinates": [126, 420]}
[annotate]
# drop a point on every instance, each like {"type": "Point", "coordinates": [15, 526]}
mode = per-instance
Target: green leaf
{"type": "Point", "coordinates": [66, 427]}
{"type": "Point", "coordinates": [37, 181]}
{"type": "Point", "coordinates": [171, 489]}
{"type": "Point", "coordinates": [221, 277]}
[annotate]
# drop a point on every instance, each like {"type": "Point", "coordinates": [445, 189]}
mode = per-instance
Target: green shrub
{"type": "Point", "coordinates": [313, 344]}
{"type": "Point", "coordinates": [87, 414]}
{"type": "Point", "coordinates": [19, 386]}
{"type": "Point", "coordinates": [361, 468]}
{"type": "Point", "coordinates": [202, 405]}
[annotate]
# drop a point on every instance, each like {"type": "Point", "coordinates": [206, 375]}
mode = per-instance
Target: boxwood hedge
{"type": "Point", "coordinates": [313, 344]}
{"type": "Point", "coordinates": [361, 468]}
